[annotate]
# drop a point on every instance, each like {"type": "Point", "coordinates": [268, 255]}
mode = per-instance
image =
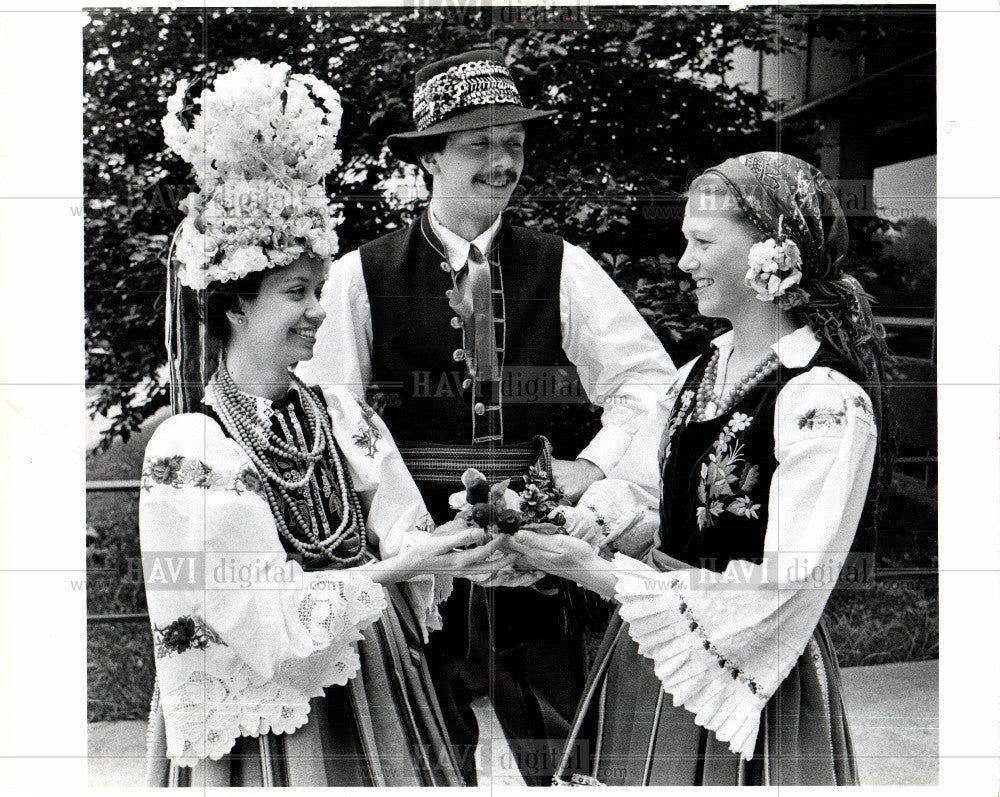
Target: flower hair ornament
{"type": "Point", "coordinates": [775, 271]}
{"type": "Point", "coordinates": [260, 147]}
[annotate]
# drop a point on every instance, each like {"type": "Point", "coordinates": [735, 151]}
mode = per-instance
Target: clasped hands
{"type": "Point", "coordinates": [520, 559]}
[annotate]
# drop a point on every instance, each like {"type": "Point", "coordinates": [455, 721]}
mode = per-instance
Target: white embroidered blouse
{"type": "Point", "coordinates": [753, 620]}
{"type": "Point", "coordinates": [262, 635]}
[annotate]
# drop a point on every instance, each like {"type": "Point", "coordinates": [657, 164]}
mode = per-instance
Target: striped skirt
{"type": "Point", "coordinates": [628, 732]}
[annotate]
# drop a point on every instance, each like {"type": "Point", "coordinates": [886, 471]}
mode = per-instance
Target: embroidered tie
{"type": "Point", "coordinates": [472, 300]}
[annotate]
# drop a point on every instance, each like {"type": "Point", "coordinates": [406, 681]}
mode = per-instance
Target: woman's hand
{"type": "Point", "coordinates": [440, 555]}
{"type": "Point", "coordinates": [541, 547]}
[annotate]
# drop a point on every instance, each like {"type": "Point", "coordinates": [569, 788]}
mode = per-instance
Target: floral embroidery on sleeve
{"type": "Point", "coordinates": [861, 403]}
{"type": "Point", "coordinates": [722, 472]}
{"type": "Point", "coordinates": [734, 670]}
{"type": "Point", "coordinates": [368, 435]}
{"type": "Point", "coordinates": [179, 471]}
{"type": "Point", "coordinates": [184, 633]}
{"type": "Point", "coordinates": [820, 417]}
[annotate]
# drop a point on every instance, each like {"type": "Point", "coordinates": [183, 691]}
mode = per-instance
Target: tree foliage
{"type": "Point", "coordinates": [642, 107]}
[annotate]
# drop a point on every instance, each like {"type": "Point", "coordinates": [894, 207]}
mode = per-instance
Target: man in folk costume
{"type": "Point", "coordinates": [445, 322]}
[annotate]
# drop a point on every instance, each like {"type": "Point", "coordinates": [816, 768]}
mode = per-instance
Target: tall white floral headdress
{"type": "Point", "coordinates": [260, 147]}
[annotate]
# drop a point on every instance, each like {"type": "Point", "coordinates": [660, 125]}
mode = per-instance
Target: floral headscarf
{"type": "Point", "coordinates": [785, 196]}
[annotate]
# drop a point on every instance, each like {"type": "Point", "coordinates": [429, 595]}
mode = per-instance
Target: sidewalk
{"type": "Point", "coordinates": [893, 710]}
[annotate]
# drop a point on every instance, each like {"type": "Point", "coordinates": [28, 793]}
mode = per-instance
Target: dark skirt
{"type": "Point", "coordinates": [383, 728]}
{"type": "Point", "coordinates": [643, 739]}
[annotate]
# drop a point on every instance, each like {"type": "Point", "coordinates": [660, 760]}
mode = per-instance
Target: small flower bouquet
{"type": "Point", "coordinates": [499, 510]}
{"type": "Point", "coordinates": [775, 271]}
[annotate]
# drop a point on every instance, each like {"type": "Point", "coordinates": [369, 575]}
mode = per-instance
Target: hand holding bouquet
{"type": "Point", "coordinates": [498, 510]}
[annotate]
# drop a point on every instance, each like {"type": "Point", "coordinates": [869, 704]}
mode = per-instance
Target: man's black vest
{"type": "Point", "coordinates": [419, 382]}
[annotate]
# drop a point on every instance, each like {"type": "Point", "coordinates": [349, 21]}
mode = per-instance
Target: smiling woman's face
{"type": "Point", "coordinates": [279, 325]}
{"type": "Point", "coordinates": [718, 246]}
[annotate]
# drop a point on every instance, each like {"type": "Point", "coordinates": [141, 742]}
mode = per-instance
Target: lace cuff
{"type": "Point", "coordinates": [335, 607]}
{"type": "Point", "coordinates": [426, 593]}
{"type": "Point", "coordinates": [619, 516]}
{"type": "Point", "coordinates": [723, 698]}
{"type": "Point", "coordinates": [206, 713]}
{"type": "Point", "coordinates": [206, 708]}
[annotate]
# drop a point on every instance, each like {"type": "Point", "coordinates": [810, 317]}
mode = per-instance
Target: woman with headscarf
{"type": "Point", "coordinates": [717, 669]}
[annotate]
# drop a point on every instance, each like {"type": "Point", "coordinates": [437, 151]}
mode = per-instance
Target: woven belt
{"type": "Point", "coordinates": [433, 463]}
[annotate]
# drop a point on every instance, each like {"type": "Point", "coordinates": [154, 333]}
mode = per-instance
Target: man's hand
{"type": "Point", "coordinates": [573, 477]}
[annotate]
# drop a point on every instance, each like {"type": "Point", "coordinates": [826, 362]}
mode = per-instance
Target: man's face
{"type": "Point", "coordinates": [478, 169]}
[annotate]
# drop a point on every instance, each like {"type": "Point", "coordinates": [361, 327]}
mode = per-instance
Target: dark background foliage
{"type": "Point", "coordinates": [641, 110]}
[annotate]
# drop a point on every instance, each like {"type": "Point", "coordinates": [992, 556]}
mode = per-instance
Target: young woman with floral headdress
{"type": "Point", "coordinates": [717, 669]}
{"type": "Point", "coordinates": [275, 521]}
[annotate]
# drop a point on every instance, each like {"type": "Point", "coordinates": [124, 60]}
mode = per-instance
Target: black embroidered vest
{"type": "Point", "coordinates": [716, 474]}
{"type": "Point", "coordinates": [419, 382]}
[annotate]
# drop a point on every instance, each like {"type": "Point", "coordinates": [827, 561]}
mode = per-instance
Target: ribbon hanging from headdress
{"type": "Point", "coordinates": [191, 354]}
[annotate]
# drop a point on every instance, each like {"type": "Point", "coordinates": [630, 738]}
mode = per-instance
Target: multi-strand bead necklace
{"type": "Point", "coordinates": [238, 413]}
{"type": "Point", "coordinates": [706, 395]}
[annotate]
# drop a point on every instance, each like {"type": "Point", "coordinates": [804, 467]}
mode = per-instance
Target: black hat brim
{"type": "Point", "coordinates": [403, 145]}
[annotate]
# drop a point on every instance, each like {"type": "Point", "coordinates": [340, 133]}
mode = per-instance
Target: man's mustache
{"type": "Point", "coordinates": [495, 177]}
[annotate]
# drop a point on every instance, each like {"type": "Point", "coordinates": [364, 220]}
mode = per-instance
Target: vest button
{"type": "Point", "coordinates": [445, 265]}
{"type": "Point", "coordinates": [458, 355]}
{"type": "Point", "coordinates": [448, 293]}
{"type": "Point", "coordinates": [466, 384]}
{"type": "Point", "coordinates": [457, 323]}
{"type": "Point", "coordinates": [480, 408]}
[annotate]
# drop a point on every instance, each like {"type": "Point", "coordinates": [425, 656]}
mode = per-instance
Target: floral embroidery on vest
{"type": "Point", "coordinates": [180, 471]}
{"type": "Point", "coordinates": [368, 434]}
{"type": "Point", "coordinates": [678, 418]}
{"type": "Point", "coordinates": [724, 486]}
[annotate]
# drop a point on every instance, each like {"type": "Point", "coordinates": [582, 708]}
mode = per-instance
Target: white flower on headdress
{"type": "Point", "coordinates": [260, 146]}
{"type": "Point", "coordinates": [243, 261]}
{"type": "Point", "coordinates": [774, 268]}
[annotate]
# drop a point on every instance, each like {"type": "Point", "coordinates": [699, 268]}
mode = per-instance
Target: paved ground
{"type": "Point", "coordinates": [893, 709]}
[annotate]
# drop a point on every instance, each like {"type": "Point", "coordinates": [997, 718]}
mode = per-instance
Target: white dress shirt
{"type": "Point", "coordinates": [622, 365]}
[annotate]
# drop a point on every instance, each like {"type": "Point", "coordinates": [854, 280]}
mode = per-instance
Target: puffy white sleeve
{"type": "Point", "coordinates": [243, 635]}
{"type": "Point", "coordinates": [622, 365]}
{"type": "Point", "coordinates": [343, 352]}
{"type": "Point", "coordinates": [722, 643]}
{"type": "Point", "coordinates": [396, 517]}
{"type": "Point", "coordinates": [621, 512]}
